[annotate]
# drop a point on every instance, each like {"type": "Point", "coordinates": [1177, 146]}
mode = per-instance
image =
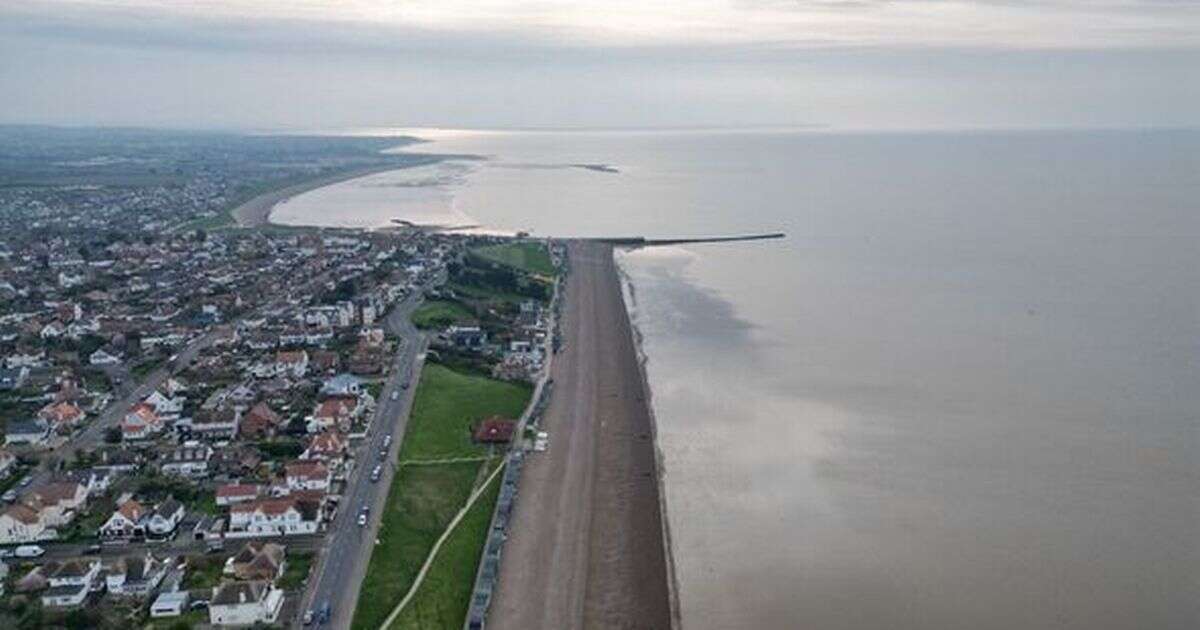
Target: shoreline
{"type": "Point", "coordinates": [628, 290]}
{"type": "Point", "coordinates": [586, 548]}
{"type": "Point", "coordinates": [257, 211]}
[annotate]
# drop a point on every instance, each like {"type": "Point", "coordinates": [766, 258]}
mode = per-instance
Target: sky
{"type": "Point", "coordinates": [843, 64]}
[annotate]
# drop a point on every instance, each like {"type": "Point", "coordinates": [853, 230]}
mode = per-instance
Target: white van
{"type": "Point", "coordinates": [29, 551]}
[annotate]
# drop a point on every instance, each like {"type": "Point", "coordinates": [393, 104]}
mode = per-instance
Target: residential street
{"type": "Point", "coordinates": [347, 551]}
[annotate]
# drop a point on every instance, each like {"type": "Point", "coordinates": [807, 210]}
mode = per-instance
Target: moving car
{"type": "Point", "coordinates": [376, 472]}
{"type": "Point", "coordinates": [362, 519]}
{"type": "Point", "coordinates": [308, 617]}
{"type": "Point", "coordinates": [395, 395]}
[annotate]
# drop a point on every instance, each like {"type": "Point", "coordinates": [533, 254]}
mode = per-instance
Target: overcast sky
{"type": "Point", "coordinates": [320, 64]}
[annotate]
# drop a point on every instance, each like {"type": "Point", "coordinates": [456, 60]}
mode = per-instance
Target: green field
{"type": "Point", "coordinates": [448, 403]}
{"type": "Point", "coordinates": [444, 596]}
{"type": "Point", "coordinates": [421, 503]}
{"type": "Point", "coordinates": [530, 257]}
{"type": "Point", "coordinates": [423, 499]}
{"type": "Point", "coordinates": [440, 314]}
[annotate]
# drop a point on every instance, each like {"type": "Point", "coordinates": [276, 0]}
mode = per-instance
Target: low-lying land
{"type": "Point", "coordinates": [529, 257]}
{"type": "Point", "coordinates": [425, 497]}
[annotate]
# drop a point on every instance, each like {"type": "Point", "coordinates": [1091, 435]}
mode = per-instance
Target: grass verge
{"type": "Point", "coordinates": [529, 257]}
{"type": "Point", "coordinates": [441, 313]}
{"type": "Point", "coordinates": [421, 503]}
{"type": "Point", "coordinates": [448, 403]}
{"type": "Point", "coordinates": [443, 598]}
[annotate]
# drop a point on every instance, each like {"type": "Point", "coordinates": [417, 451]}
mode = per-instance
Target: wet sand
{"type": "Point", "coordinates": [587, 547]}
{"type": "Point", "coordinates": [257, 211]}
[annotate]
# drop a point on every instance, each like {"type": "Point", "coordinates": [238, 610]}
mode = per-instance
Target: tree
{"type": "Point", "coordinates": [112, 435]}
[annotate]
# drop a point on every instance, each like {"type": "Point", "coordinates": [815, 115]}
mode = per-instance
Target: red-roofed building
{"type": "Point", "coordinates": [62, 416]}
{"type": "Point", "coordinates": [495, 430]}
{"type": "Point", "coordinates": [141, 423]}
{"type": "Point", "coordinates": [307, 475]}
{"type": "Point", "coordinates": [235, 493]}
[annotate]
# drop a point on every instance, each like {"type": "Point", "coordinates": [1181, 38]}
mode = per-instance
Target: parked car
{"type": "Point", "coordinates": [6, 553]}
{"type": "Point", "coordinates": [92, 550]}
{"type": "Point", "coordinates": [308, 617]}
{"type": "Point", "coordinates": [29, 551]}
{"type": "Point", "coordinates": [9, 496]}
{"type": "Point", "coordinates": [395, 395]}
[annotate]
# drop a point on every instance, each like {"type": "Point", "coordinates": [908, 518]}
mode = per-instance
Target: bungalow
{"type": "Point", "coordinates": [307, 475]}
{"type": "Point", "coordinates": [165, 518]}
{"type": "Point", "coordinates": [8, 463]}
{"type": "Point", "coordinates": [57, 502]}
{"type": "Point", "coordinates": [104, 357]}
{"type": "Point", "coordinates": [135, 576]}
{"type": "Point", "coordinates": [71, 583]}
{"type": "Point", "coordinates": [342, 385]}
{"type": "Point", "coordinates": [257, 560]}
{"type": "Point", "coordinates": [261, 421]}
{"type": "Point", "coordinates": [469, 337]}
{"type": "Point", "coordinates": [292, 362]}
{"type": "Point", "coordinates": [284, 516]}
{"type": "Point", "coordinates": [22, 524]}
{"type": "Point", "coordinates": [329, 446]}
{"type": "Point", "coordinates": [189, 460]}
{"type": "Point", "coordinates": [62, 417]}
{"type": "Point", "coordinates": [141, 422]}
{"type": "Point", "coordinates": [167, 407]}
{"type": "Point", "coordinates": [338, 412]}
{"type": "Point", "coordinates": [169, 604]}
{"type": "Point", "coordinates": [244, 604]}
{"type": "Point", "coordinates": [35, 432]}
{"type": "Point", "coordinates": [234, 493]}
{"type": "Point", "coordinates": [125, 522]}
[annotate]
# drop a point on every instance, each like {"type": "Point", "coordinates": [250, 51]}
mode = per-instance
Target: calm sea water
{"type": "Point", "coordinates": [963, 393]}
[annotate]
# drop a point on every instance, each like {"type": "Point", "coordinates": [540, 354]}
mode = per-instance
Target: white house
{"type": "Point", "coordinates": [169, 604]}
{"type": "Point", "coordinates": [189, 460]}
{"type": "Point", "coordinates": [34, 432]}
{"type": "Point", "coordinates": [286, 516]}
{"type": "Point", "coordinates": [244, 604]}
{"type": "Point", "coordinates": [307, 475]}
{"type": "Point", "coordinates": [135, 576]}
{"type": "Point", "coordinates": [293, 363]}
{"type": "Point", "coordinates": [21, 524]}
{"type": "Point", "coordinates": [71, 582]}
{"type": "Point", "coordinates": [142, 422]}
{"type": "Point", "coordinates": [166, 407]}
{"type": "Point", "coordinates": [101, 357]}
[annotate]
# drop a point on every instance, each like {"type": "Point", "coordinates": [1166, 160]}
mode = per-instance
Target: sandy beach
{"type": "Point", "coordinates": [257, 211]}
{"type": "Point", "coordinates": [587, 546]}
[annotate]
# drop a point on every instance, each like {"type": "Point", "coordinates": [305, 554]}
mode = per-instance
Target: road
{"type": "Point", "coordinates": [586, 547]}
{"type": "Point", "coordinates": [347, 551]}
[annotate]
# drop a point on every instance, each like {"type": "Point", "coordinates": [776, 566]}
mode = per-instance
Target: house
{"type": "Point", "coordinates": [329, 446]}
{"type": "Point", "coordinates": [338, 412]}
{"type": "Point", "coordinates": [35, 432]}
{"type": "Point", "coordinates": [244, 604]}
{"type": "Point", "coordinates": [62, 417]}
{"type": "Point", "coordinates": [125, 522]}
{"type": "Point", "coordinates": [234, 493]}
{"type": "Point", "coordinates": [21, 524]}
{"type": "Point", "coordinates": [469, 337]}
{"type": "Point", "coordinates": [495, 430]}
{"type": "Point", "coordinates": [307, 475]}
{"type": "Point", "coordinates": [13, 378]}
{"type": "Point", "coordinates": [189, 460]}
{"type": "Point", "coordinates": [220, 423]}
{"type": "Point", "coordinates": [57, 502]}
{"type": "Point", "coordinates": [169, 604]}
{"type": "Point", "coordinates": [165, 517]}
{"type": "Point", "coordinates": [292, 362]}
{"type": "Point", "coordinates": [284, 516]}
{"type": "Point", "coordinates": [257, 560]}
{"type": "Point", "coordinates": [71, 582]}
{"type": "Point", "coordinates": [166, 407]}
{"type": "Point", "coordinates": [104, 357]}
{"type": "Point", "coordinates": [8, 463]}
{"type": "Point", "coordinates": [135, 576]}
{"type": "Point", "coordinates": [3, 576]}
{"type": "Point", "coordinates": [325, 361]}
{"type": "Point", "coordinates": [261, 421]}
{"type": "Point", "coordinates": [142, 422]}
{"type": "Point", "coordinates": [132, 519]}
{"type": "Point", "coordinates": [342, 385]}
{"type": "Point", "coordinates": [53, 330]}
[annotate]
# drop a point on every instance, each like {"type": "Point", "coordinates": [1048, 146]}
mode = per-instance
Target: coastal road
{"type": "Point", "coordinates": [586, 548]}
{"type": "Point", "coordinates": [347, 549]}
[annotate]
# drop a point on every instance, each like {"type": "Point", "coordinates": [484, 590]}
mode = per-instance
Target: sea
{"type": "Point", "coordinates": [962, 393]}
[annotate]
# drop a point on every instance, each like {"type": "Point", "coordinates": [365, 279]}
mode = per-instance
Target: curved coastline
{"type": "Point", "coordinates": [257, 211]}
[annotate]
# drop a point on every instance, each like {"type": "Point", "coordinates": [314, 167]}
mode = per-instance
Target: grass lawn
{"type": "Point", "coordinates": [296, 571]}
{"type": "Point", "coordinates": [204, 571]}
{"type": "Point", "coordinates": [448, 403]}
{"type": "Point", "coordinates": [530, 257]}
{"type": "Point", "coordinates": [441, 313]}
{"type": "Point", "coordinates": [421, 502]}
{"type": "Point", "coordinates": [442, 600]}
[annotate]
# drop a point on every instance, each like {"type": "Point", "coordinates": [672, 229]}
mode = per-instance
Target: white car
{"type": "Point", "coordinates": [362, 520]}
{"type": "Point", "coordinates": [29, 551]}
{"type": "Point", "coordinates": [395, 395]}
